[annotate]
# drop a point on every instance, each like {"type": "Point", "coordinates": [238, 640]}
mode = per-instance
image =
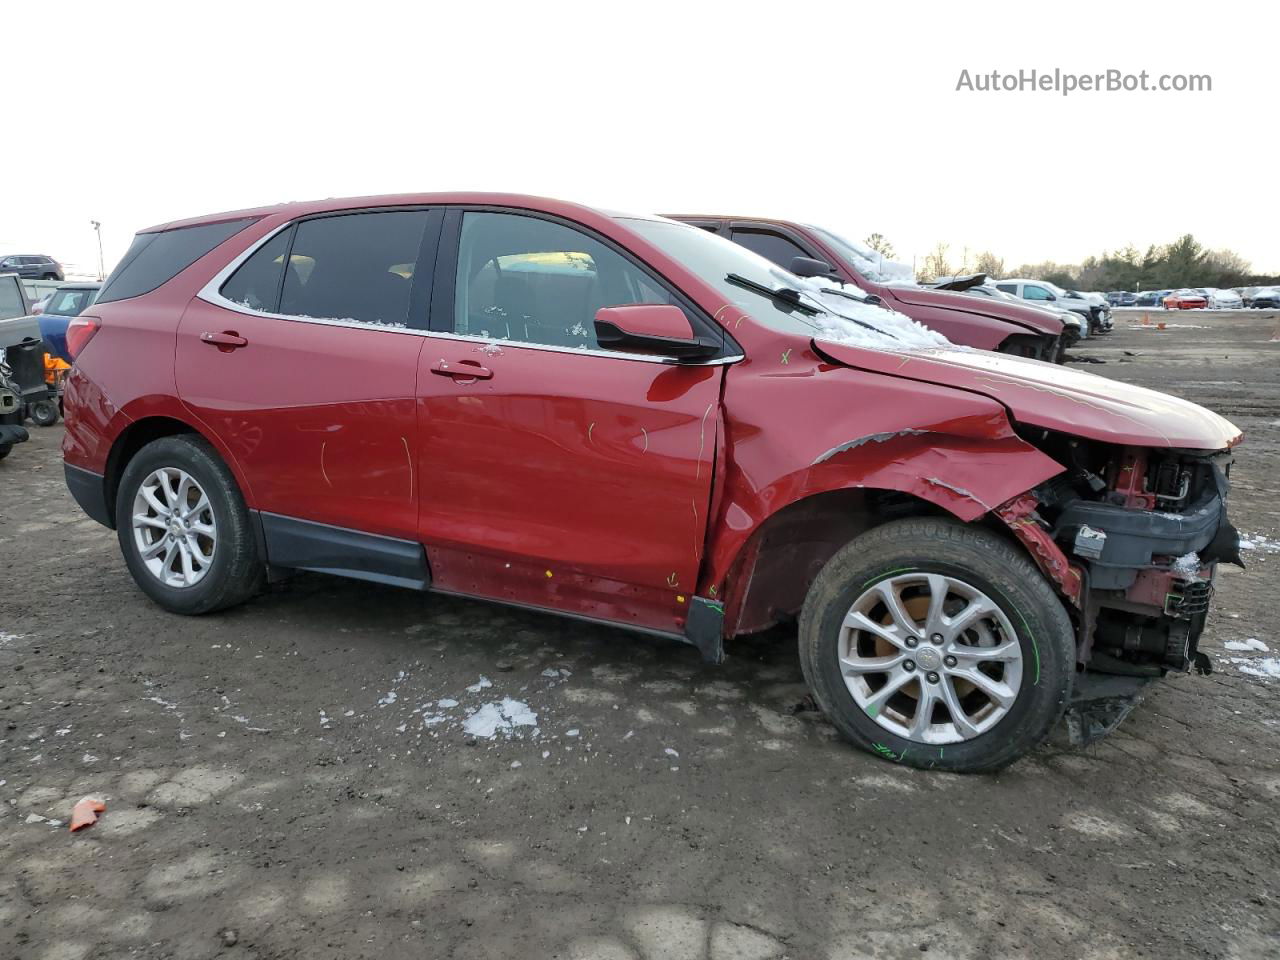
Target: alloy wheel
{"type": "Point", "coordinates": [174, 528]}
{"type": "Point", "coordinates": [930, 658]}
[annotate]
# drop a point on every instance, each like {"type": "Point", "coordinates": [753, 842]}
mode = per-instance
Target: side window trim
{"type": "Point", "coordinates": [444, 290]}
{"type": "Point", "coordinates": [419, 296]}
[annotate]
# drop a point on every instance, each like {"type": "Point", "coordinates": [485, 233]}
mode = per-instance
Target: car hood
{"type": "Point", "coordinates": [1030, 317]}
{"type": "Point", "coordinates": [1052, 396]}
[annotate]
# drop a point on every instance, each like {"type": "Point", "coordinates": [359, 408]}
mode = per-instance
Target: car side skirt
{"type": "Point", "coordinates": [321, 548]}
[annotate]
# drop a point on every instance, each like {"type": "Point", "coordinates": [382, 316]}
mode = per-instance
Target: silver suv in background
{"type": "Point", "coordinates": [1044, 293]}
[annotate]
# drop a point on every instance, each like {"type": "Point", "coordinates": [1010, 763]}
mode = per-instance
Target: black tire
{"type": "Point", "coordinates": [44, 413]}
{"type": "Point", "coordinates": [236, 571]}
{"type": "Point", "coordinates": [5, 450]}
{"type": "Point", "coordinates": [995, 566]}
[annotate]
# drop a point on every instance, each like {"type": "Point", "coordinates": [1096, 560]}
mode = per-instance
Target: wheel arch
{"type": "Point", "coordinates": [145, 430]}
{"type": "Point", "coordinates": [773, 569]}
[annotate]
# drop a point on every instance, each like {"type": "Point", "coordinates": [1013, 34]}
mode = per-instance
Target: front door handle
{"type": "Point", "coordinates": [227, 340]}
{"type": "Point", "coordinates": [462, 370]}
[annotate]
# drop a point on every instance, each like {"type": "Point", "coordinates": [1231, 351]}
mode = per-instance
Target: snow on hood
{"type": "Point", "coordinates": [1054, 397]}
{"type": "Point", "coordinates": [852, 320]}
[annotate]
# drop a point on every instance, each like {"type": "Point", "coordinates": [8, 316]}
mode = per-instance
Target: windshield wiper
{"type": "Point", "coordinates": [784, 295]}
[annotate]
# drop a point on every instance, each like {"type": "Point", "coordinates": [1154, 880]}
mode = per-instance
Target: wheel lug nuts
{"type": "Point", "coordinates": [932, 677]}
{"type": "Point", "coordinates": [909, 666]}
{"type": "Point", "coordinates": [912, 642]}
{"type": "Point", "coordinates": [936, 638]}
{"type": "Point", "coordinates": [949, 661]}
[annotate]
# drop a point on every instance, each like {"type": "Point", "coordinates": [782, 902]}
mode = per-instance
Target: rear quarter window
{"type": "Point", "coordinates": [156, 258]}
{"type": "Point", "coordinates": [11, 302]}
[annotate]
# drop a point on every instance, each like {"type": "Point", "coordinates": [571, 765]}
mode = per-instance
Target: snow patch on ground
{"type": "Point", "coordinates": [1257, 541]}
{"type": "Point", "coordinates": [505, 717]}
{"type": "Point", "coordinates": [482, 684]}
{"type": "Point", "coordinates": [1265, 667]}
{"type": "Point", "coordinates": [1244, 646]}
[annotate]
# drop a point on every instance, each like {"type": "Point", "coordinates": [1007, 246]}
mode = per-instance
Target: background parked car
{"type": "Point", "coordinates": [1074, 326]}
{"type": "Point", "coordinates": [1186, 299]}
{"type": "Point", "coordinates": [1224, 299]}
{"type": "Point", "coordinates": [32, 266]}
{"type": "Point", "coordinates": [1041, 291]}
{"type": "Point", "coordinates": [65, 303]}
{"type": "Point", "coordinates": [1121, 298]}
{"type": "Point", "coordinates": [1006, 327]}
{"type": "Point", "coordinates": [1151, 298]}
{"type": "Point", "coordinates": [1265, 298]}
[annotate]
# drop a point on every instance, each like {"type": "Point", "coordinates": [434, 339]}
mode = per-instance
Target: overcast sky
{"type": "Point", "coordinates": [838, 114]}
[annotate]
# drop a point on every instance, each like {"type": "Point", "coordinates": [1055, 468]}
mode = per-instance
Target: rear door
{"type": "Point", "coordinates": [552, 472]}
{"type": "Point", "coordinates": [302, 358]}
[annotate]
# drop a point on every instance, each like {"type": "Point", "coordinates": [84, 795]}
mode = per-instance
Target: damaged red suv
{"type": "Point", "coordinates": [632, 421]}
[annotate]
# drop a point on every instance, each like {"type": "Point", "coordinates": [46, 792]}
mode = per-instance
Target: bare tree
{"type": "Point", "coordinates": [880, 245]}
{"type": "Point", "coordinates": [936, 264]}
{"type": "Point", "coordinates": [989, 264]}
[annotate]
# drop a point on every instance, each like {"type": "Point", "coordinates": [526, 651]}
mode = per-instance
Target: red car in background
{"type": "Point", "coordinates": [631, 421]}
{"type": "Point", "coordinates": [987, 324]}
{"type": "Point", "coordinates": [1186, 299]}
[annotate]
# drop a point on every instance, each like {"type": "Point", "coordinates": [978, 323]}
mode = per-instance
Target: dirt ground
{"type": "Point", "coordinates": [283, 780]}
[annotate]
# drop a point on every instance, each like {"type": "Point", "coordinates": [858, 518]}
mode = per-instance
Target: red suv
{"type": "Point", "coordinates": [1012, 328]}
{"type": "Point", "coordinates": [631, 421]}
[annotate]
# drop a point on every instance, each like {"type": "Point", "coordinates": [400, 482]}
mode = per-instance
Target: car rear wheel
{"type": "Point", "coordinates": [184, 528]}
{"type": "Point", "coordinates": [937, 645]}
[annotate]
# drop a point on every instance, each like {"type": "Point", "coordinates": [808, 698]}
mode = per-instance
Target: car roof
{"type": "Point", "coordinates": [302, 208]}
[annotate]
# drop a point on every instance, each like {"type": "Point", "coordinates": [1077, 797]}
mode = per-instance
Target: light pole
{"type": "Point", "coordinates": [97, 227]}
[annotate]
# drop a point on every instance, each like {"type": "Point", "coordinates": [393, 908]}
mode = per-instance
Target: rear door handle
{"type": "Point", "coordinates": [227, 340]}
{"type": "Point", "coordinates": [462, 370]}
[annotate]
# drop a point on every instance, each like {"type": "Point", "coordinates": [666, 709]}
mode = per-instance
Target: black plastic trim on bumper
{"type": "Point", "coordinates": [90, 491]}
{"type": "Point", "coordinates": [12, 433]}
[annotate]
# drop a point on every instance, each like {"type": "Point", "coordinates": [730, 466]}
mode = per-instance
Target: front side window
{"type": "Point", "coordinates": [1007, 288]}
{"type": "Point", "coordinates": [771, 246]}
{"type": "Point", "coordinates": [1032, 292]}
{"type": "Point", "coordinates": [529, 280]}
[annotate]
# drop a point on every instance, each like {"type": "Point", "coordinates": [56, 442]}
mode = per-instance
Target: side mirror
{"type": "Point", "coordinates": [657, 328]}
{"type": "Point", "coordinates": [808, 267]}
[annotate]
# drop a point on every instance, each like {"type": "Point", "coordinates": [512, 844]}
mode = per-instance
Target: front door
{"type": "Point", "coordinates": [304, 363]}
{"type": "Point", "coordinates": [551, 472]}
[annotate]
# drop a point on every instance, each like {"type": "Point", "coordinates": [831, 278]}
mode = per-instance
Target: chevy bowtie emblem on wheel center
{"type": "Point", "coordinates": [928, 658]}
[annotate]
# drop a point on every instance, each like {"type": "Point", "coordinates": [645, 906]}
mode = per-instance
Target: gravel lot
{"type": "Point", "coordinates": [293, 778]}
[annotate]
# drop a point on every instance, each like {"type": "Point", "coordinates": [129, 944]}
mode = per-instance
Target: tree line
{"type": "Point", "coordinates": [1182, 263]}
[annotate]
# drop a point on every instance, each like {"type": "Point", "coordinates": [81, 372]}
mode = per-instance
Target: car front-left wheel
{"type": "Point", "coordinates": [184, 529]}
{"type": "Point", "coordinates": [937, 644]}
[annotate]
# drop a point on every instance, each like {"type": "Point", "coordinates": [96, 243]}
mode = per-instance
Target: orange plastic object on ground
{"type": "Point", "coordinates": [85, 812]}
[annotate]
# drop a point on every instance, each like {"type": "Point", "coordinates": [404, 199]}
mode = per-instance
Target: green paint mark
{"type": "Point", "coordinates": [713, 590]}
{"type": "Point", "coordinates": [872, 710]}
{"type": "Point", "coordinates": [786, 356]}
{"type": "Point", "coordinates": [884, 751]}
{"type": "Point", "coordinates": [1035, 648]}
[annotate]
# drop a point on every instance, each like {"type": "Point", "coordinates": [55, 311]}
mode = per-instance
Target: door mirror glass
{"type": "Point", "coordinates": [809, 267]}
{"type": "Point", "coordinates": [657, 328]}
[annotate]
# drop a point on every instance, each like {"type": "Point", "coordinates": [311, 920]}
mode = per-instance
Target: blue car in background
{"type": "Point", "coordinates": [65, 303]}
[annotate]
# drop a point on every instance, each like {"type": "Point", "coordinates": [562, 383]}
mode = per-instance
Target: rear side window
{"type": "Point", "coordinates": [69, 303]}
{"type": "Point", "coordinates": [771, 246]}
{"type": "Point", "coordinates": [356, 267]}
{"type": "Point", "coordinates": [256, 283]}
{"type": "Point", "coordinates": [156, 258]}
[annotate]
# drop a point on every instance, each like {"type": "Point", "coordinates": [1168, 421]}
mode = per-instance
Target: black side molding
{"type": "Point", "coordinates": [90, 491]}
{"type": "Point", "coordinates": [305, 545]}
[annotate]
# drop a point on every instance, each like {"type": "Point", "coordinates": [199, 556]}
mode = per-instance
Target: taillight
{"type": "Point", "coordinates": [79, 332]}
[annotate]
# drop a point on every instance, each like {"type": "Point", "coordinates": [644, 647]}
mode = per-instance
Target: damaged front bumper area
{"type": "Point", "coordinates": [1136, 555]}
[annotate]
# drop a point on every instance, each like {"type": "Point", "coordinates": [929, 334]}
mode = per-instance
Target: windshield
{"type": "Point", "coordinates": [744, 279]}
{"type": "Point", "coordinates": [864, 261]}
